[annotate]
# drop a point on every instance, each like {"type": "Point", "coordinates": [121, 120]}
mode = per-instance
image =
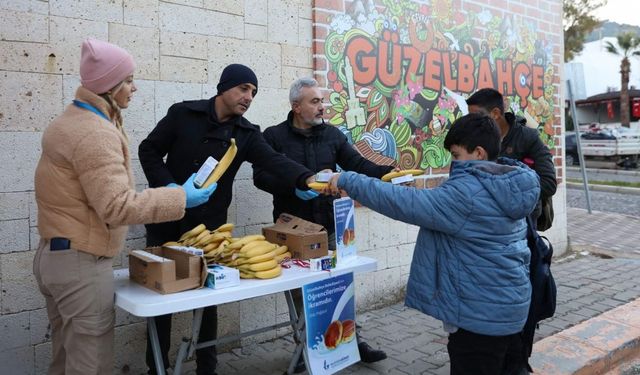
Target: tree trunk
{"type": "Point", "coordinates": [625, 68]}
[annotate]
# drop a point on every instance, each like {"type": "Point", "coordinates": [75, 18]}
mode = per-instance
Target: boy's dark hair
{"type": "Point", "coordinates": [473, 130]}
{"type": "Point", "coordinates": [487, 99]}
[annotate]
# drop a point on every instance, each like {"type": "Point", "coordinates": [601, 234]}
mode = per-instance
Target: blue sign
{"type": "Point", "coordinates": [343, 214]}
{"type": "Point", "coordinates": [330, 313]}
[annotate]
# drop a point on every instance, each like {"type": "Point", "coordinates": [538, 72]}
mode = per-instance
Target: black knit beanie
{"type": "Point", "coordinates": [234, 75]}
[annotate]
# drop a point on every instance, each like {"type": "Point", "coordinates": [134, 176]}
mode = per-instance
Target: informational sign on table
{"type": "Point", "coordinates": [330, 317]}
{"type": "Point", "coordinates": [343, 214]}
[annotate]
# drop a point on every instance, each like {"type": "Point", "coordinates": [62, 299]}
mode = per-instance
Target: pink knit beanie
{"type": "Point", "coordinates": [103, 65]}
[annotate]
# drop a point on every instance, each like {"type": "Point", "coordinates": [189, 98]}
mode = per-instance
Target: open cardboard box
{"type": "Point", "coordinates": [177, 272]}
{"type": "Point", "coordinates": [304, 239]}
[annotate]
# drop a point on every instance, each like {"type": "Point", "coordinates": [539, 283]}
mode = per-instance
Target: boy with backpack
{"type": "Point", "coordinates": [470, 266]}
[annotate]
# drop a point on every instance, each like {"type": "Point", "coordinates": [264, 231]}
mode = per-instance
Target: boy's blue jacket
{"type": "Point", "coordinates": [470, 265]}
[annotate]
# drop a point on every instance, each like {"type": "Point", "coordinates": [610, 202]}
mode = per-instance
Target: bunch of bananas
{"type": "Point", "coordinates": [252, 255]}
{"type": "Point", "coordinates": [210, 242]}
{"type": "Point", "coordinates": [255, 257]}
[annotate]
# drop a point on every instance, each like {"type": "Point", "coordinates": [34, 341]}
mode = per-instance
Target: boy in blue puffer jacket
{"type": "Point", "coordinates": [470, 266]}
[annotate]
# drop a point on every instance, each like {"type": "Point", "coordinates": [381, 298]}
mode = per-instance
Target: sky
{"type": "Point", "coordinates": [620, 11]}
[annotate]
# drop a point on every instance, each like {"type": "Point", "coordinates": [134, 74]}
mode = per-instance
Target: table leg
{"type": "Point", "coordinates": [298, 326]}
{"type": "Point", "coordinates": [155, 345]}
{"type": "Point", "coordinates": [188, 345]}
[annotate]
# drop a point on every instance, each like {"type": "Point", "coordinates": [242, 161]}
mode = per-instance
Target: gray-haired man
{"type": "Point", "coordinates": [306, 139]}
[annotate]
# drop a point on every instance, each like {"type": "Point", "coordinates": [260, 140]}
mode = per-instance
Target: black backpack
{"type": "Point", "coordinates": [543, 286]}
{"type": "Point", "coordinates": [545, 220]}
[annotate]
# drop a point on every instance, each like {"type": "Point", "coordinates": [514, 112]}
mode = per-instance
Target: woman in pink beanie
{"type": "Point", "coordinates": [86, 199]}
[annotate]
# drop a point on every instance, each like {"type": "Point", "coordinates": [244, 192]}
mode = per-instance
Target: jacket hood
{"type": "Point", "coordinates": [513, 185]}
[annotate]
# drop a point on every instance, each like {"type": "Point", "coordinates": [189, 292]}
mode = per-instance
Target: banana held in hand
{"type": "Point", "coordinates": [391, 175]}
{"type": "Point", "coordinates": [224, 163]}
{"type": "Point", "coordinates": [318, 186]}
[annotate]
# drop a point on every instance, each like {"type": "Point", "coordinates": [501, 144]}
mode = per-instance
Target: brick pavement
{"type": "Point", "coordinates": [603, 230]}
{"type": "Point", "coordinates": [416, 344]}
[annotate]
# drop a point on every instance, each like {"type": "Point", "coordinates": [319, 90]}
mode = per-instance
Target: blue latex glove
{"type": "Point", "coordinates": [306, 195]}
{"type": "Point", "coordinates": [195, 196]}
{"type": "Point", "coordinates": [173, 185]}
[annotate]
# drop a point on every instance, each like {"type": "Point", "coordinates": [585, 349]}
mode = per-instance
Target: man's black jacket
{"type": "Point", "coordinates": [187, 135]}
{"type": "Point", "coordinates": [523, 142]}
{"type": "Point", "coordinates": [324, 147]}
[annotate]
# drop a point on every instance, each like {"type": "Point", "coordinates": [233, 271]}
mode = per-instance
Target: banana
{"type": "Point", "coordinates": [256, 259]}
{"type": "Point", "coordinates": [247, 275]}
{"type": "Point", "coordinates": [391, 175]}
{"type": "Point", "coordinates": [202, 240]}
{"type": "Point", "coordinates": [212, 238]}
{"type": "Point", "coordinates": [245, 240]}
{"type": "Point", "coordinates": [202, 235]}
{"type": "Point", "coordinates": [263, 257]}
{"type": "Point", "coordinates": [219, 236]}
{"type": "Point", "coordinates": [222, 246]}
{"type": "Point", "coordinates": [281, 257]}
{"type": "Point", "coordinates": [224, 163]}
{"type": "Point", "coordinates": [318, 186]}
{"type": "Point", "coordinates": [210, 255]}
{"type": "Point", "coordinates": [280, 250]}
{"type": "Point", "coordinates": [189, 241]}
{"type": "Point", "coordinates": [193, 232]}
{"type": "Point", "coordinates": [263, 266]}
{"type": "Point", "coordinates": [253, 244]}
{"type": "Point", "coordinates": [269, 274]}
{"type": "Point", "coordinates": [258, 250]}
{"type": "Point", "coordinates": [172, 243]}
{"type": "Point", "coordinates": [228, 227]}
{"type": "Point", "coordinates": [210, 247]}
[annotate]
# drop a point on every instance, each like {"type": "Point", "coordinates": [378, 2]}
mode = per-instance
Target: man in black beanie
{"type": "Point", "coordinates": [190, 133]}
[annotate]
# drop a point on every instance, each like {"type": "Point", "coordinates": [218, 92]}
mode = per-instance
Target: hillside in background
{"type": "Point", "coordinates": [611, 29]}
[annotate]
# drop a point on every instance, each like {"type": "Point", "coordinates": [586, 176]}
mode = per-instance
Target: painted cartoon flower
{"type": "Point", "coordinates": [445, 102]}
{"type": "Point", "coordinates": [400, 98]}
{"type": "Point", "coordinates": [414, 89]}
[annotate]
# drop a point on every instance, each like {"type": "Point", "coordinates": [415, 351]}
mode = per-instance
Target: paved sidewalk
{"type": "Point", "coordinates": [416, 344]}
{"type": "Point", "coordinates": [604, 232]}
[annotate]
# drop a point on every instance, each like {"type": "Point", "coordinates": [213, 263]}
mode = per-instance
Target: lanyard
{"type": "Point", "coordinates": [91, 108]}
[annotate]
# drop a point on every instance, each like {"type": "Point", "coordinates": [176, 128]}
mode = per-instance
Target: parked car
{"type": "Point", "coordinates": [571, 148]}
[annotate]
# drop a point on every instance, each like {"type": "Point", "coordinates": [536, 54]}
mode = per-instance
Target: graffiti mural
{"type": "Point", "coordinates": [398, 72]}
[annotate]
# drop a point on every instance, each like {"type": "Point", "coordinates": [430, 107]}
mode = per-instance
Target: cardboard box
{"type": "Point", "coordinates": [167, 270]}
{"type": "Point", "coordinates": [304, 239]}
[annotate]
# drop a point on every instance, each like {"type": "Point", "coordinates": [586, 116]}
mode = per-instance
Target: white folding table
{"type": "Point", "coordinates": [143, 302]}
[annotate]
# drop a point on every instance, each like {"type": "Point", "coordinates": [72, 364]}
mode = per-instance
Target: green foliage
{"type": "Point", "coordinates": [577, 23]}
{"type": "Point", "coordinates": [628, 44]}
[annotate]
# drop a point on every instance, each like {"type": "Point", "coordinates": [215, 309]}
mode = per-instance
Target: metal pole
{"type": "Point", "coordinates": [576, 126]}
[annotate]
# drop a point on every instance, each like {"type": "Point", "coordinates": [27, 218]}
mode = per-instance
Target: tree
{"type": "Point", "coordinates": [577, 23]}
{"type": "Point", "coordinates": [627, 46]}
